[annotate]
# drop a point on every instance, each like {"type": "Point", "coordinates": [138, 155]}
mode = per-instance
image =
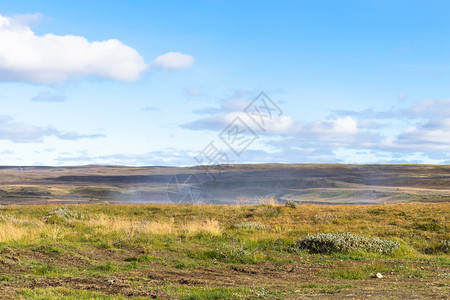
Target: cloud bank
{"type": "Point", "coordinates": [416, 133]}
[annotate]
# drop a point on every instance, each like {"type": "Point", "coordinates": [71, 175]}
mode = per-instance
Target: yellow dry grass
{"type": "Point", "coordinates": [18, 232]}
{"type": "Point", "coordinates": [11, 232]}
{"type": "Point", "coordinates": [268, 200]}
{"type": "Point", "coordinates": [109, 225]}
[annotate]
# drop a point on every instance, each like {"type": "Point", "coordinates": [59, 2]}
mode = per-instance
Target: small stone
{"type": "Point", "coordinates": [379, 275]}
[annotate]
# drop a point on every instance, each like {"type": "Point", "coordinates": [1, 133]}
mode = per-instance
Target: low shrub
{"type": "Point", "coordinates": [11, 219]}
{"type": "Point", "coordinates": [438, 247]}
{"type": "Point", "coordinates": [62, 214]}
{"type": "Point", "coordinates": [324, 219]}
{"type": "Point", "coordinates": [345, 242]}
{"type": "Point", "coordinates": [251, 225]}
{"type": "Point", "coordinates": [445, 246]}
{"type": "Point", "coordinates": [290, 203]}
{"type": "Point", "coordinates": [8, 218]}
{"type": "Point", "coordinates": [57, 220]}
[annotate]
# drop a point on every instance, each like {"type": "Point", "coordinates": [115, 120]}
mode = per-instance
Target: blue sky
{"type": "Point", "coordinates": [156, 82]}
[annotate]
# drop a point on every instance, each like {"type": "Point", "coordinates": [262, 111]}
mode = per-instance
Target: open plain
{"type": "Point", "coordinates": [92, 232]}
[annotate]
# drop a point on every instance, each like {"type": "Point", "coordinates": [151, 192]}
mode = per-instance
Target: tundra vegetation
{"type": "Point", "coordinates": [265, 251]}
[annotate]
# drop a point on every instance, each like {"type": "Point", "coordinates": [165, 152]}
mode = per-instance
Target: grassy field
{"type": "Point", "coordinates": [221, 252]}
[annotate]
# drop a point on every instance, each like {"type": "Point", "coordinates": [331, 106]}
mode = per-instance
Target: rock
{"type": "Point", "coordinates": [379, 275]}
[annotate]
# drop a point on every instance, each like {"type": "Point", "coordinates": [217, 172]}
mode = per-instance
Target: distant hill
{"type": "Point", "coordinates": [233, 184]}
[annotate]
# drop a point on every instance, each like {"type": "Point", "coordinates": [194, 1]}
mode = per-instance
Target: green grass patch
{"type": "Point", "coordinates": [40, 268]}
{"type": "Point", "coordinates": [64, 293]}
{"type": "Point", "coordinates": [431, 226]}
{"type": "Point", "coordinates": [107, 267]}
{"type": "Point", "coordinates": [48, 249]}
{"type": "Point", "coordinates": [194, 293]}
{"type": "Point", "coordinates": [183, 264]}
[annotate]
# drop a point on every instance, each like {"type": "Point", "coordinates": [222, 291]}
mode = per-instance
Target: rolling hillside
{"type": "Point", "coordinates": [235, 184]}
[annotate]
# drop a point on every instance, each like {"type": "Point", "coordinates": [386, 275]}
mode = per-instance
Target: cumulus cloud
{"type": "Point", "coordinates": [50, 58]}
{"type": "Point", "coordinates": [174, 61]}
{"type": "Point", "coordinates": [25, 133]}
{"type": "Point", "coordinates": [49, 96]}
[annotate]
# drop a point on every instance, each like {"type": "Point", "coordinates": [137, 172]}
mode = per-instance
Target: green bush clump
{"type": "Point", "coordinates": [324, 219]}
{"type": "Point", "coordinates": [427, 226]}
{"type": "Point", "coordinates": [345, 242]}
{"type": "Point", "coordinates": [445, 246]}
{"type": "Point", "coordinates": [239, 252]}
{"type": "Point", "coordinates": [377, 211]}
{"type": "Point", "coordinates": [441, 247]}
{"type": "Point", "coordinates": [63, 214]}
{"type": "Point", "coordinates": [251, 225]}
{"type": "Point", "coordinates": [290, 203]}
{"type": "Point", "coordinates": [11, 219]}
{"type": "Point", "coordinates": [8, 218]}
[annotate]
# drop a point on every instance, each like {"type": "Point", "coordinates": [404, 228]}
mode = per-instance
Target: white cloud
{"type": "Point", "coordinates": [420, 131]}
{"type": "Point", "coordinates": [49, 96]}
{"type": "Point", "coordinates": [174, 61]}
{"type": "Point", "coordinates": [337, 129]}
{"type": "Point", "coordinates": [341, 126]}
{"type": "Point", "coordinates": [430, 109]}
{"type": "Point", "coordinates": [26, 19]}
{"type": "Point", "coordinates": [50, 58]}
{"type": "Point", "coordinates": [275, 125]}
{"type": "Point", "coordinates": [19, 132]}
{"type": "Point", "coordinates": [433, 134]}
{"type": "Point", "coordinates": [150, 108]}
{"type": "Point", "coordinates": [234, 107]}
